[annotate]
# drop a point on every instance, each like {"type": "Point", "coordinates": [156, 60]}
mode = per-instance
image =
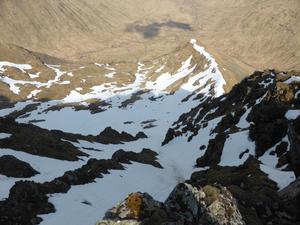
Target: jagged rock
{"type": "Point", "coordinates": [26, 200]}
{"type": "Point", "coordinates": [269, 125]}
{"type": "Point", "coordinates": [10, 166]}
{"type": "Point", "coordinates": [256, 195]}
{"type": "Point", "coordinates": [23, 112]}
{"type": "Point", "coordinates": [185, 205]}
{"type": "Point", "coordinates": [223, 210]}
{"type": "Point", "coordinates": [109, 135]}
{"type": "Point", "coordinates": [207, 205]}
{"type": "Point", "coordinates": [258, 104]}
{"type": "Point", "coordinates": [281, 149]}
{"type": "Point", "coordinates": [294, 138]}
{"type": "Point", "coordinates": [290, 195]}
{"type": "Point", "coordinates": [213, 154]}
{"type": "Point", "coordinates": [146, 156]}
{"type": "Point", "coordinates": [140, 135]}
{"type": "Point", "coordinates": [169, 136]}
{"type": "Point", "coordinates": [51, 143]}
{"type": "Point", "coordinates": [37, 141]}
{"type": "Point", "coordinates": [291, 191]}
{"type": "Point", "coordinates": [26, 195]}
{"type": "Point", "coordinates": [135, 209]}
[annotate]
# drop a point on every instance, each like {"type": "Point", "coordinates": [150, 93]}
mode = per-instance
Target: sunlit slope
{"type": "Point", "coordinates": [261, 34]}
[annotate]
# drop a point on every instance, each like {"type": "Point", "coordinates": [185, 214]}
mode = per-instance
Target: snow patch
{"type": "Point", "coordinates": [282, 178]}
{"type": "Point", "coordinates": [292, 79]}
{"type": "Point", "coordinates": [21, 67]}
{"type": "Point", "coordinates": [292, 114]}
{"type": "Point", "coordinates": [234, 146]}
{"type": "Point", "coordinates": [4, 135]}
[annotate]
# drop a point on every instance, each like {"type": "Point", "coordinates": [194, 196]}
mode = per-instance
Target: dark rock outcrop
{"type": "Point", "coordinates": [290, 195]}
{"type": "Point", "coordinates": [268, 126]}
{"type": "Point", "coordinates": [107, 136]}
{"type": "Point", "coordinates": [256, 195]}
{"type": "Point", "coordinates": [146, 156]}
{"type": "Point", "coordinates": [294, 153]}
{"type": "Point", "coordinates": [111, 136]}
{"type": "Point", "coordinates": [10, 166]}
{"type": "Point", "coordinates": [219, 195]}
{"type": "Point", "coordinates": [26, 200]}
{"type": "Point", "coordinates": [213, 153]}
{"type": "Point", "coordinates": [51, 143]}
{"type": "Point", "coordinates": [37, 141]}
{"type": "Point", "coordinates": [262, 99]}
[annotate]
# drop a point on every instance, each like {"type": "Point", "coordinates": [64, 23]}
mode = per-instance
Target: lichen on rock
{"type": "Point", "coordinates": [134, 203]}
{"type": "Point", "coordinates": [185, 205]}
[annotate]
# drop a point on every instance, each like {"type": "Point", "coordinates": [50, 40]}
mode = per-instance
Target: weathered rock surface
{"type": "Point", "coordinates": [203, 205]}
{"type": "Point", "coordinates": [185, 205]}
{"type": "Point", "coordinates": [257, 196]}
{"type": "Point", "coordinates": [293, 156]}
{"type": "Point", "coordinates": [216, 196]}
{"type": "Point", "coordinates": [291, 197]}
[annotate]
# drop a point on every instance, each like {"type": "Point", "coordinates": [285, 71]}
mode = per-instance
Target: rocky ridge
{"type": "Point", "coordinates": [264, 106]}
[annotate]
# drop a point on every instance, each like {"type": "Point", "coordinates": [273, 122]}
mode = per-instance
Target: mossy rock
{"type": "Point", "coordinates": [211, 194]}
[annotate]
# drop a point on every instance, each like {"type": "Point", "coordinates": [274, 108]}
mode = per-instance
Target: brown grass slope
{"type": "Point", "coordinates": [244, 35]}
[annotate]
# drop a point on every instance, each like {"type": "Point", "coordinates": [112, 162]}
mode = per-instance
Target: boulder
{"type": "Point", "coordinates": [203, 205]}
{"type": "Point", "coordinates": [10, 166]}
{"type": "Point", "coordinates": [185, 205]}
{"type": "Point", "coordinates": [134, 210]}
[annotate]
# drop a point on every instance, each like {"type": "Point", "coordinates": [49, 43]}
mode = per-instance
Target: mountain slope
{"type": "Point", "coordinates": [212, 130]}
{"type": "Point", "coordinates": [258, 117]}
{"type": "Point", "coordinates": [149, 99]}
{"type": "Point", "coordinates": [257, 34]}
{"type": "Point", "coordinates": [99, 99]}
{"type": "Point", "coordinates": [254, 131]}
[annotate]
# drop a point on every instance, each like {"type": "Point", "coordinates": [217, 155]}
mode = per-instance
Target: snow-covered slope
{"type": "Point", "coordinates": [258, 117]}
{"type": "Point", "coordinates": [96, 132]}
{"type": "Point", "coordinates": [149, 100]}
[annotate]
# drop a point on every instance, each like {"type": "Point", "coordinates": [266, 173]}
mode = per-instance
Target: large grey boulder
{"type": "Point", "coordinates": [185, 205]}
{"type": "Point", "coordinates": [205, 205]}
